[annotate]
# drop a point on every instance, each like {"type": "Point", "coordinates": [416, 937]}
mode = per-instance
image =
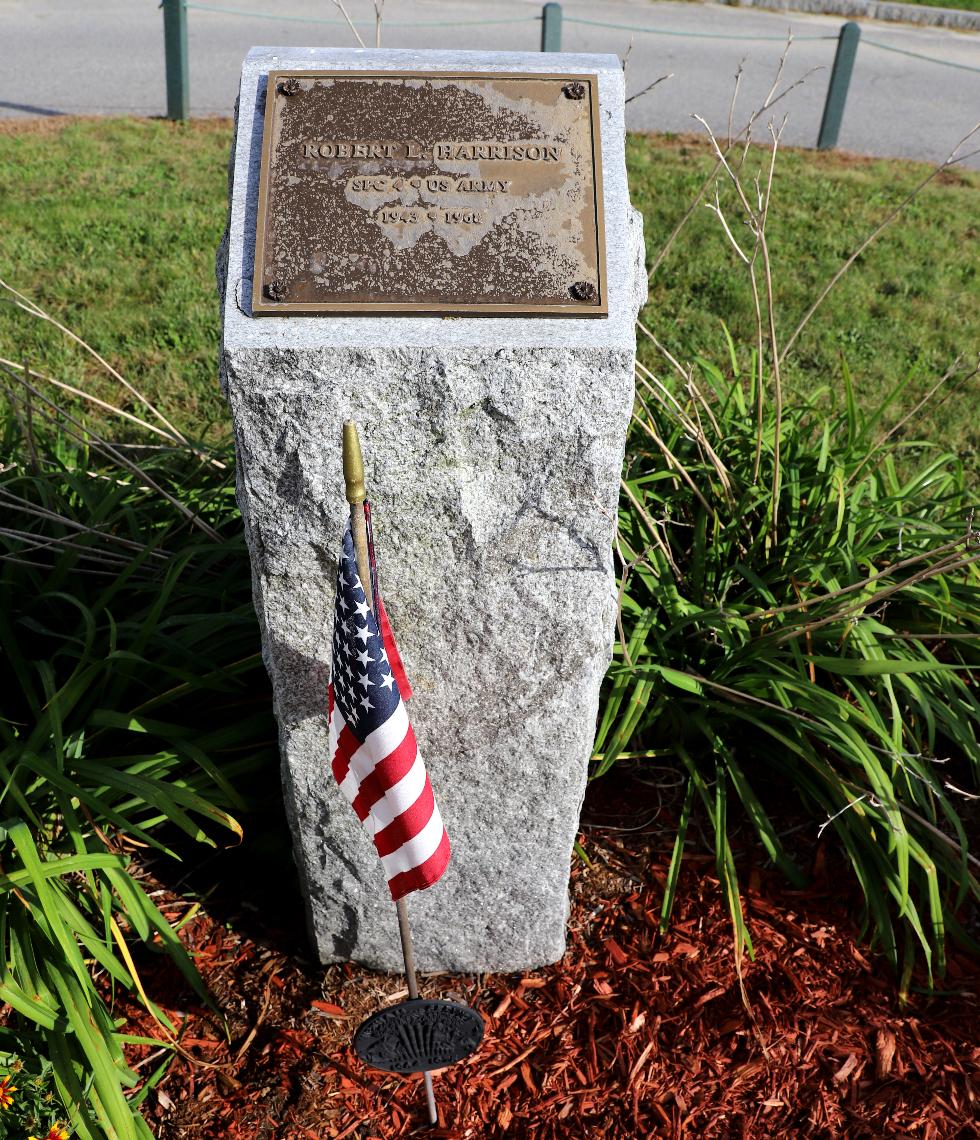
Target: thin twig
{"type": "Point", "coordinates": [145, 424]}
{"type": "Point", "coordinates": [770, 101]}
{"type": "Point", "coordinates": [940, 835]}
{"type": "Point", "coordinates": [92, 439]}
{"type": "Point", "coordinates": [665, 248]}
{"type": "Point", "coordinates": [734, 99]}
{"type": "Point", "coordinates": [649, 87]}
{"type": "Point", "coordinates": [671, 458]}
{"type": "Point", "coordinates": [757, 216]}
{"type": "Point", "coordinates": [716, 209]}
{"type": "Point", "coordinates": [38, 542]}
{"type": "Point", "coordinates": [675, 364]}
{"type": "Point", "coordinates": [951, 160]}
{"type": "Point", "coordinates": [887, 572]}
{"type": "Point", "coordinates": [652, 528]}
{"type": "Point", "coordinates": [947, 375]}
{"type": "Point", "coordinates": [26, 507]}
{"type": "Point", "coordinates": [773, 346]}
{"type": "Point", "coordinates": [665, 399]}
{"type": "Point", "coordinates": [662, 394]}
{"type": "Point", "coordinates": [47, 566]}
{"type": "Point", "coordinates": [945, 567]}
{"type": "Point", "coordinates": [29, 430]}
{"type": "Point", "coordinates": [624, 579]}
{"type": "Point", "coordinates": [35, 310]}
{"type": "Point", "coordinates": [339, 4]}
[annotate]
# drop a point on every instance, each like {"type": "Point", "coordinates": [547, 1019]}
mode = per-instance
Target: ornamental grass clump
{"type": "Point", "coordinates": [800, 611]}
{"type": "Point", "coordinates": [828, 654]}
{"type": "Point", "coordinates": [134, 704]}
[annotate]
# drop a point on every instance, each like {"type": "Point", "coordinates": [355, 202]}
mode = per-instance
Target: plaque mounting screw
{"type": "Point", "coordinates": [584, 291]}
{"type": "Point", "coordinates": [288, 86]}
{"type": "Point", "coordinates": [276, 291]}
{"type": "Point", "coordinates": [574, 90]}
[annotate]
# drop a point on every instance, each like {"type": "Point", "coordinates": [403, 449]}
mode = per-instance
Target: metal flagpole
{"type": "Point", "coordinates": [356, 494]}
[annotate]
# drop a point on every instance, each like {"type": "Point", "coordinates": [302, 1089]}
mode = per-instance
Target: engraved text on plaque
{"type": "Point", "coordinates": [430, 193]}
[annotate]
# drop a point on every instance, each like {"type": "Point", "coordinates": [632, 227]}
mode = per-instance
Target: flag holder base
{"type": "Point", "coordinates": [418, 1035]}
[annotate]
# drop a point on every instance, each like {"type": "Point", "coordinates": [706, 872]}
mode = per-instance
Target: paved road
{"type": "Point", "coordinates": [59, 56]}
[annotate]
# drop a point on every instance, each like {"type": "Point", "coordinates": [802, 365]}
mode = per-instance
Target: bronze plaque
{"type": "Point", "coordinates": [430, 193]}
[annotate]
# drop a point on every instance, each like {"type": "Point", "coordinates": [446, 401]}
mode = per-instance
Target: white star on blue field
{"type": "Point", "coordinates": [364, 688]}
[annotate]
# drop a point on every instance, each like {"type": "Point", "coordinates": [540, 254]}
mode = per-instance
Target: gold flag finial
{"type": "Point", "coordinates": [353, 465]}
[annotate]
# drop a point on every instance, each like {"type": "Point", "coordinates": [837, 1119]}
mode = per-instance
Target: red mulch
{"type": "Point", "coordinates": [630, 1035]}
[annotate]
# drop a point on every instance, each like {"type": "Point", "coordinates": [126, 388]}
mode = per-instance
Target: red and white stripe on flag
{"type": "Point", "coordinates": [374, 754]}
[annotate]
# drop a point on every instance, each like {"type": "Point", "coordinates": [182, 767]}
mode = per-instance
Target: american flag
{"type": "Point", "coordinates": [374, 754]}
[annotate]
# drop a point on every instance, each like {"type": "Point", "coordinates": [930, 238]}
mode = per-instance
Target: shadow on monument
{"type": "Point", "coordinates": [302, 691]}
{"type": "Point", "coordinates": [302, 698]}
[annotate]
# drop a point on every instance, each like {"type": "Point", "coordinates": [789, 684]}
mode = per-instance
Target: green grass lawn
{"type": "Point", "coordinates": [965, 5]}
{"type": "Point", "coordinates": [906, 309]}
{"type": "Point", "coordinates": [112, 226]}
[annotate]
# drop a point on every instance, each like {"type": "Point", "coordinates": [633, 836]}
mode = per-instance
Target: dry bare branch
{"type": "Point", "coordinates": [770, 101]}
{"type": "Point", "coordinates": [756, 216]}
{"type": "Point", "coordinates": [953, 159]}
{"type": "Point", "coordinates": [26, 507]}
{"type": "Point", "coordinates": [652, 528]}
{"type": "Point", "coordinates": [35, 310]}
{"type": "Point", "coordinates": [734, 100]}
{"type": "Point", "coordinates": [650, 86]}
{"type": "Point", "coordinates": [92, 439]}
{"type": "Point", "coordinates": [105, 406]}
{"type": "Point", "coordinates": [662, 350]}
{"type": "Point", "coordinates": [339, 4]}
{"type": "Point", "coordinates": [671, 458]}
{"type": "Point", "coordinates": [945, 378]}
{"type": "Point", "coordinates": [715, 208]}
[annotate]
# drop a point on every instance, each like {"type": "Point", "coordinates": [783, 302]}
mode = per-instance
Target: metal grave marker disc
{"type": "Point", "coordinates": [418, 1035]}
{"type": "Point", "coordinates": [430, 193]}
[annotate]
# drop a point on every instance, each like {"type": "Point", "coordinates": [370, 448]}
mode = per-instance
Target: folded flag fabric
{"type": "Point", "coordinates": [375, 757]}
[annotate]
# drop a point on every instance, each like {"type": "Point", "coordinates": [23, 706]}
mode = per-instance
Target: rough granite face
{"type": "Point", "coordinates": [493, 450]}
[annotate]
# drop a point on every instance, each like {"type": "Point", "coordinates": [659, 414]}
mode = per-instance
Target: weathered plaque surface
{"type": "Point", "coordinates": [387, 192]}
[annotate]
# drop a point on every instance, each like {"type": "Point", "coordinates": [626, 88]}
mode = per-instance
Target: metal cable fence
{"type": "Point", "coordinates": [763, 39]}
{"type": "Point", "coordinates": [919, 55]}
{"type": "Point", "coordinates": [550, 19]}
{"type": "Point", "coordinates": [367, 26]}
{"type": "Point", "coordinates": [686, 35]}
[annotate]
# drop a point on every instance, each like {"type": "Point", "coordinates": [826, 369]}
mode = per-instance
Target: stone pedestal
{"type": "Point", "coordinates": [493, 449]}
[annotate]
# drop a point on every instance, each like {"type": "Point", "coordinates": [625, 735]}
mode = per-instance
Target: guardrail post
{"type": "Point", "coordinates": [175, 51]}
{"type": "Point", "coordinates": [840, 79]}
{"type": "Point", "coordinates": [551, 27]}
